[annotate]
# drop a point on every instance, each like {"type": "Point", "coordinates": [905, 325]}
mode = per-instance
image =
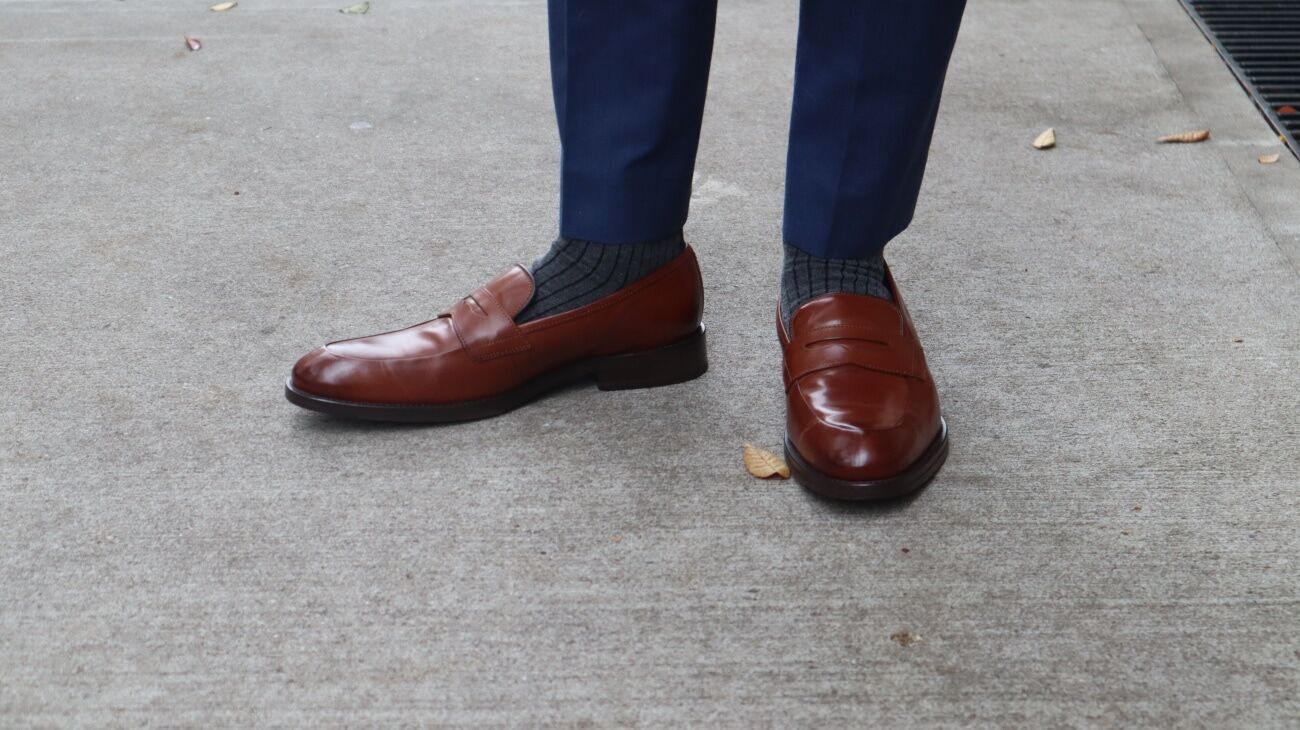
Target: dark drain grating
{"type": "Point", "coordinates": [1260, 40]}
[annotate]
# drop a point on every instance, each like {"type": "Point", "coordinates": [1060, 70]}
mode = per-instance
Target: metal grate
{"type": "Point", "coordinates": [1260, 41]}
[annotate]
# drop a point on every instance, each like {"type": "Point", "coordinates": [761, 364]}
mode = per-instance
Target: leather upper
{"type": "Point", "coordinates": [475, 349]}
{"type": "Point", "coordinates": [861, 404]}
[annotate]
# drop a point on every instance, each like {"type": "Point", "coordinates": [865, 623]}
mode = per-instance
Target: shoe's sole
{"type": "Point", "coordinates": [912, 479]}
{"type": "Point", "coordinates": [679, 362]}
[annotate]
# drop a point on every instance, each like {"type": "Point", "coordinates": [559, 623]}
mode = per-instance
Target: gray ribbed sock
{"type": "Point", "coordinates": [576, 273]}
{"type": "Point", "coordinates": [805, 277]}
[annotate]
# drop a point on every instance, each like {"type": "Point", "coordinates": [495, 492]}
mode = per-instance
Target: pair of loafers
{"type": "Point", "coordinates": [862, 412]}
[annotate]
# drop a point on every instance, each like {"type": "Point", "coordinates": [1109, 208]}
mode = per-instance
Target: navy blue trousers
{"type": "Point", "coordinates": [630, 77]}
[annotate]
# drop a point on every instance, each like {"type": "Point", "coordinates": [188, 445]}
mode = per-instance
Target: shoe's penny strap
{"type": "Point", "coordinates": [874, 345]}
{"type": "Point", "coordinates": [484, 321]}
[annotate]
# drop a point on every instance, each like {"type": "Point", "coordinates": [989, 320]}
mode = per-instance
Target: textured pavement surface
{"type": "Point", "coordinates": [1114, 326]}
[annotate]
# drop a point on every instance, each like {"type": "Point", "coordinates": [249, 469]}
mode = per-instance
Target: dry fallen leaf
{"type": "Point", "coordinates": [193, 43]}
{"type": "Point", "coordinates": [1269, 159]}
{"type": "Point", "coordinates": [1046, 140]}
{"type": "Point", "coordinates": [764, 464]}
{"type": "Point", "coordinates": [358, 9]}
{"type": "Point", "coordinates": [219, 7]}
{"type": "Point", "coordinates": [906, 638]}
{"type": "Point", "coordinates": [1199, 135]}
{"type": "Point", "coordinates": [1287, 109]}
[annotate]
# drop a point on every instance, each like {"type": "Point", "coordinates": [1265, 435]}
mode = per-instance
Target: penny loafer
{"type": "Point", "coordinates": [862, 411]}
{"type": "Point", "coordinates": [474, 361]}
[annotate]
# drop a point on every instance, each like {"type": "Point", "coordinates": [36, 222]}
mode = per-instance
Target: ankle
{"type": "Point", "coordinates": [574, 273]}
{"type": "Point", "coordinates": [805, 277]}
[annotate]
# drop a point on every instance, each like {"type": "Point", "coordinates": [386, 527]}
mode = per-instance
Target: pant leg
{"type": "Point", "coordinates": [868, 74]}
{"type": "Point", "coordinates": [629, 78]}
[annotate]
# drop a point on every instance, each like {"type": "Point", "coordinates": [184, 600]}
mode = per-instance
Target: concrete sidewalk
{"type": "Point", "coordinates": [1114, 325]}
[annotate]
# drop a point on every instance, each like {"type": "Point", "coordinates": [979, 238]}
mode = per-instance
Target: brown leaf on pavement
{"type": "Point", "coordinates": [1269, 159]}
{"type": "Point", "coordinates": [764, 464]}
{"type": "Point", "coordinates": [193, 43]}
{"type": "Point", "coordinates": [1199, 135]}
{"type": "Point", "coordinates": [906, 638]}
{"type": "Point", "coordinates": [1046, 140]}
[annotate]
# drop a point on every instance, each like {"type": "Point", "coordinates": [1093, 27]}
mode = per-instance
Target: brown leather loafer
{"type": "Point", "coordinates": [862, 412]}
{"type": "Point", "coordinates": [473, 361]}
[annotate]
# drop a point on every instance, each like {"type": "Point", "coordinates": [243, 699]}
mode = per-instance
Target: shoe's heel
{"type": "Point", "coordinates": [683, 360]}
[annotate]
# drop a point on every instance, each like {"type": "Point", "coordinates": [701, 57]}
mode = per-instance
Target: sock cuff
{"type": "Point", "coordinates": [575, 272]}
{"type": "Point", "coordinates": [805, 277]}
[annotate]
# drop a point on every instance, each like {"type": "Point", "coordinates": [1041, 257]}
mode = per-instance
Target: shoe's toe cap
{"type": "Point", "coordinates": [860, 430]}
{"type": "Point", "coordinates": [857, 455]}
{"type": "Point", "coordinates": [327, 374]}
